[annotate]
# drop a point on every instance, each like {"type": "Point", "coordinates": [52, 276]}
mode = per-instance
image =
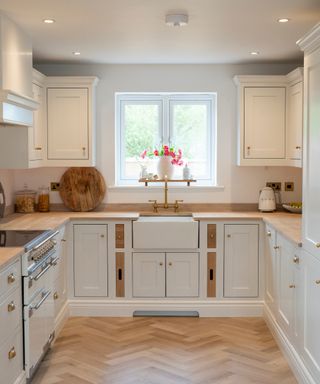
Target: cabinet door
{"type": "Point", "coordinates": [241, 260]}
{"type": "Point", "coordinates": [149, 274]}
{"type": "Point", "coordinates": [264, 123]}
{"type": "Point", "coordinates": [311, 313]}
{"type": "Point", "coordinates": [182, 274]}
{"type": "Point", "coordinates": [68, 129]}
{"type": "Point", "coordinates": [294, 123]}
{"type": "Point", "coordinates": [286, 284]}
{"type": "Point", "coordinates": [35, 132]}
{"type": "Point", "coordinates": [271, 268]}
{"type": "Point", "coordinates": [90, 260]}
{"type": "Point", "coordinates": [311, 160]}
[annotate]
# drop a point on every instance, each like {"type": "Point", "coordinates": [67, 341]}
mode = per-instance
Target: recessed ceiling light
{"type": "Point", "coordinates": [283, 20]}
{"type": "Point", "coordinates": [254, 53]}
{"type": "Point", "coordinates": [76, 53]}
{"type": "Point", "coordinates": [177, 20]}
{"type": "Point", "coordinates": [49, 21]}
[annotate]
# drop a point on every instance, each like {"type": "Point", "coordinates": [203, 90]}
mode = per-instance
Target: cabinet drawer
{"type": "Point", "coordinates": [10, 278]}
{"type": "Point", "coordinates": [119, 235]}
{"type": "Point", "coordinates": [59, 295]}
{"type": "Point", "coordinates": [10, 314]}
{"type": "Point", "coordinates": [211, 236]}
{"type": "Point", "coordinates": [11, 358]}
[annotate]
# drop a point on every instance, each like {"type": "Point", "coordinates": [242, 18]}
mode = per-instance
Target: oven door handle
{"type": "Point", "coordinates": [45, 240]}
{"type": "Point", "coordinates": [43, 299]}
{"type": "Point", "coordinates": [41, 273]}
{"type": "Point", "coordinates": [55, 261]}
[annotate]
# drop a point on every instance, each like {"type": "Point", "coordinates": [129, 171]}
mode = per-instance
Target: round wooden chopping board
{"type": "Point", "coordinates": [82, 188]}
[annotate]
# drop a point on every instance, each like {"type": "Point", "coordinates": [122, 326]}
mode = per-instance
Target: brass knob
{"type": "Point", "coordinates": [228, 235]}
{"type": "Point", "coordinates": [318, 245]}
{"type": "Point", "coordinates": [318, 282]}
{"type": "Point", "coordinates": [211, 236]}
{"type": "Point", "coordinates": [119, 237]}
{"type": "Point", "coordinates": [248, 147]}
{"type": "Point", "coordinates": [12, 353]}
{"type": "Point", "coordinates": [161, 263]}
{"type": "Point", "coordinates": [11, 278]}
{"type": "Point", "coordinates": [83, 148]}
{"type": "Point", "coordinates": [55, 296]}
{"type": "Point", "coordinates": [38, 148]}
{"type": "Point", "coordinates": [170, 263]}
{"type": "Point", "coordinates": [298, 147]}
{"type": "Point", "coordinates": [292, 286]}
{"type": "Point", "coordinates": [296, 259]}
{"type": "Point", "coordinates": [269, 234]}
{"type": "Point", "coordinates": [102, 236]}
{"type": "Point", "coordinates": [11, 306]}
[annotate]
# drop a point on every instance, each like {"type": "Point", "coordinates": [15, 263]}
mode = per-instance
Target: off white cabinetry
{"type": "Point", "coordinates": [270, 119]}
{"type": "Point", "coordinates": [90, 254]}
{"type": "Point", "coordinates": [311, 160]}
{"type": "Point", "coordinates": [70, 121]}
{"type": "Point", "coordinates": [172, 274]}
{"type": "Point", "coordinates": [37, 131]}
{"type": "Point", "coordinates": [241, 260]}
{"type": "Point", "coordinates": [310, 267]}
{"type": "Point", "coordinates": [11, 350]}
{"type": "Point", "coordinates": [270, 268]}
{"type": "Point", "coordinates": [264, 122]}
{"type": "Point", "coordinates": [295, 118]}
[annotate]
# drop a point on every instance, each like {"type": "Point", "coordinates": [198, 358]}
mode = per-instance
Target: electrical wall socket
{"type": "Point", "coordinates": [274, 185]}
{"type": "Point", "coordinates": [289, 186]}
{"type": "Point", "coordinates": [54, 186]}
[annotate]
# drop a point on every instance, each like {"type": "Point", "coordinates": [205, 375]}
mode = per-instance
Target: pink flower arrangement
{"type": "Point", "coordinates": [165, 150]}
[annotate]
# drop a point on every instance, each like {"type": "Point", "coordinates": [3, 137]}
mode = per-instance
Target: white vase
{"type": "Point", "coordinates": [165, 168]}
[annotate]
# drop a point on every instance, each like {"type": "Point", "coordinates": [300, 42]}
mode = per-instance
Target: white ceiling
{"type": "Point", "coordinates": [134, 31]}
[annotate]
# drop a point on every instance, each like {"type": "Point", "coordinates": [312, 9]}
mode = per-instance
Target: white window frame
{"type": "Point", "coordinates": [166, 101]}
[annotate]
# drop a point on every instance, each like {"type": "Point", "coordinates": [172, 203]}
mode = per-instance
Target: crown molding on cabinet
{"type": "Point", "coordinates": [311, 41]}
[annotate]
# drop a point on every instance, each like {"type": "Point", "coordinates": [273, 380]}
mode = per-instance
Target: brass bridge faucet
{"type": "Point", "coordinates": [165, 205]}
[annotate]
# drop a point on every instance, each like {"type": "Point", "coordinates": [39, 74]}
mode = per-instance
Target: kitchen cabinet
{"type": "Point", "coordinates": [36, 134]}
{"type": "Point", "coordinates": [70, 121]}
{"type": "Point", "coordinates": [241, 260]}
{"type": "Point", "coordinates": [159, 274]}
{"type": "Point", "coordinates": [295, 118]}
{"type": "Point", "coordinates": [311, 154]}
{"type": "Point", "coordinates": [149, 274]}
{"type": "Point", "coordinates": [270, 119]}
{"type": "Point", "coordinates": [90, 255]}
{"type": "Point", "coordinates": [11, 350]}
{"type": "Point", "coordinates": [310, 267]}
{"type": "Point", "coordinates": [270, 269]}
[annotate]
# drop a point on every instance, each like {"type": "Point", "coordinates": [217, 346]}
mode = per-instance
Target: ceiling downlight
{"type": "Point", "coordinates": [177, 20]}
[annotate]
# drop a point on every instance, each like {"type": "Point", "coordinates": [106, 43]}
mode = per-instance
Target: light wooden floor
{"type": "Point", "coordinates": [164, 351]}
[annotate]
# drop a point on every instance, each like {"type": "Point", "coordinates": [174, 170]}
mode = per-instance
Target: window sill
{"type": "Point", "coordinates": [142, 188]}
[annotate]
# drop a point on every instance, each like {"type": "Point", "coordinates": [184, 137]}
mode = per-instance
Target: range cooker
{"type": "Point", "coordinates": [40, 255]}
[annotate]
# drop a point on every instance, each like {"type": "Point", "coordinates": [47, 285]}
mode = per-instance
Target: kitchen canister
{"type": "Point", "coordinates": [43, 200]}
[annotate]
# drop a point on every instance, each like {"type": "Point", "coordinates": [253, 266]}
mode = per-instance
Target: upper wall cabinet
{"type": "Point", "coordinates": [268, 119]}
{"type": "Point", "coordinates": [70, 121]}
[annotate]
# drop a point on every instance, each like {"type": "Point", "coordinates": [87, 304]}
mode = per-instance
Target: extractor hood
{"type": "Point", "coordinates": [16, 102]}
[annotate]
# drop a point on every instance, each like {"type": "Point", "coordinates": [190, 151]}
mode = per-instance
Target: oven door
{"type": "Point", "coordinates": [38, 328]}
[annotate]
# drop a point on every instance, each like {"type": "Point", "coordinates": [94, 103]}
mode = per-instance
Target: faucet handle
{"type": "Point", "coordinates": [155, 205]}
{"type": "Point", "coordinates": [176, 205]}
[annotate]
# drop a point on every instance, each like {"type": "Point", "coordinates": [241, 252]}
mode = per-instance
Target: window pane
{"type": "Point", "coordinates": [190, 133]}
{"type": "Point", "coordinates": [141, 131]}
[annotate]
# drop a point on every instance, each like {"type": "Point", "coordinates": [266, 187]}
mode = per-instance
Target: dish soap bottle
{"type": "Point", "coordinates": [186, 172]}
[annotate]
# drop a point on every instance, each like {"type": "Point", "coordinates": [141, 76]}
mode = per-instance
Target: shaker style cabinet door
{"type": "Point", "coordinates": [90, 260]}
{"type": "Point", "coordinates": [264, 122]}
{"type": "Point", "coordinates": [295, 121]}
{"type": "Point", "coordinates": [36, 137]}
{"type": "Point", "coordinates": [149, 274]}
{"type": "Point", "coordinates": [271, 268]}
{"type": "Point", "coordinates": [68, 126]}
{"type": "Point", "coordinates": [182, 274]}
{"type": "Point", "coordinates": [241, 260]}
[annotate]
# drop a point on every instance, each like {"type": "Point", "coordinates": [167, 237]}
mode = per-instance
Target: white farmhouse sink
{"type": "Point", "coordinates": [165, 232]}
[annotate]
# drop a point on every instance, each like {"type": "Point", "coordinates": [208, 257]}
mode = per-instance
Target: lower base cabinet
{"type": "Point", "coordinates": [11, 358]}
{"type": "Point", "coordinates": [162, 274]}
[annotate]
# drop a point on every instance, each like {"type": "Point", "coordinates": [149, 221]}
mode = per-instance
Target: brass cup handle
{"type": "Point", "coordinates": [229, 235]}
{"type": "Point", "coordinates": [12, 353]}
{"type": "Point", "coordinates": [11, 306]}
{"type": "Point", "coordinates": [161, 263]}
{"type": "Point", "coordinates": [170, 263]}
{"type": "Point", "coordinates": [11, 278]}
{"type": "Point", "coordinates": [298, 147]}
{"type": "Point", "coordinates": [38, 148]}
{"type": "Point", "coordinates": [292, 286]}
{"type": "Point", "coordinates": [102, 236]}
{"type": "Point", "coordinates": [55, 296]}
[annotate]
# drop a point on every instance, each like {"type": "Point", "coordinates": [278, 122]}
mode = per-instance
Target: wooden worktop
{"type": "Point", "coordinates": [289, 225]}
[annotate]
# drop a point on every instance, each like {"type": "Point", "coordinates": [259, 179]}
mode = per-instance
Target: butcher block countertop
{"type": "Point", "coordinates": [289, 225]}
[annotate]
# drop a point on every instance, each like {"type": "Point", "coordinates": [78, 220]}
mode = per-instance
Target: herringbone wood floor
{"type": "Point", "coordinates": [164, 351]}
